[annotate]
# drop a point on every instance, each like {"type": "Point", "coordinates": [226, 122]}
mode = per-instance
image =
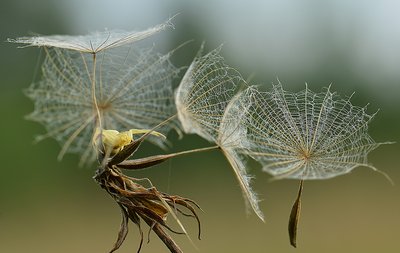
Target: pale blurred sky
{"type": "Point", "coordinates": [297, 41]}
{"type": "Point", "coordinates": [278, 37]}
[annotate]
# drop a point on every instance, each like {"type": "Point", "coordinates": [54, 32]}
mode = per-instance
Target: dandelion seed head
{"type": "Point", "coordinates": [201, 100]}
{"type": "Point", "coordinates": [133, 90]}
{"type": "Point", "coordinates": [94, 42]}
{"type": "Point", "coordinates": [304, 135]}
{"type": "Point", "coordinates": [203, 94]}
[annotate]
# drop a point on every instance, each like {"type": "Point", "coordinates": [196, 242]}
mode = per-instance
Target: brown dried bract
{"type": "Point", "coordinates": [140, 203]}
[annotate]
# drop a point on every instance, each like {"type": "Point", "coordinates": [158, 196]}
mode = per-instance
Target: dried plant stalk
{"type": "Point", "coordinates": [138, 202]}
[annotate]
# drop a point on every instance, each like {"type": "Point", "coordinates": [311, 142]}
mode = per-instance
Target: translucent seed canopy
{"type": "Point", "coordinates": [203, 94]}
{"type": "Point", "coordinates": [133, 89]}
{"type": "Point", "coordinates": [201, 100]}
{"type": "Point", "coordinates": [303, 135]}
{"type": "Point", "coordinates": [94, 42]}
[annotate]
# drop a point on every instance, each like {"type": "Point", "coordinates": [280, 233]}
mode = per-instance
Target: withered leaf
{"type": "Point", "coordinates": [136, 220]}
{"type": "Point", "coordinates": [123, 231]}
{"type": "Point", "coordinates": [184, 202]}
{"type": "Point", "coordinates": [157, 208]}
{"type": "Point", "coordinates": [295, 216]}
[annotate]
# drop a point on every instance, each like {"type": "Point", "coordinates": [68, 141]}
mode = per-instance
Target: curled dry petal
{"type": "Point", "coordinates": [123, 231]}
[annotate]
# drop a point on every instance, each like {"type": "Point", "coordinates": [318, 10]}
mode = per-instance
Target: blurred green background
{"type": "Point", "coordinates": [52, 206]}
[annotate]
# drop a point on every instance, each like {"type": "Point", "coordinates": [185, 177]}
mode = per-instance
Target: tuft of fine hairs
{"type": "Point", "coordinates": [133, 89]}
{"type": "Point", "coordinates": [201, 99]}
{"type": "Point", "coordinates": [303, 135]}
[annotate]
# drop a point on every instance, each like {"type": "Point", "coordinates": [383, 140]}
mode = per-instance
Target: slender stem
{"type": "Point", "coordinates": [166, 238]}
{"type": "Point", "coordinates": [194, 151]}
{"type": "Point", "coordinates": [150, 161]}
{"type": "Point", "coordinates": [157, 126]}
{"type": "Point", "coordinates": [94, 91]}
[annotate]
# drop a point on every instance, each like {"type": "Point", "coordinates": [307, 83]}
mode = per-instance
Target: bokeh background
{"type": "Point", "coordinates": [54, 206]}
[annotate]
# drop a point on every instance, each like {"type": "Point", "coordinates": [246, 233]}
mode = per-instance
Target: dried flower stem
{"type": "Point", "coordinates": [166, 238]}
{"type": "Point", "coordinates": [93, 83]}
{"type": "Point", "coordinates": [149, 161]}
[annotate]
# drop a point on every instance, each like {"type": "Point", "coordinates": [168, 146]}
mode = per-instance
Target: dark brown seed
{"type": "Point", "coordinates": [123, 231]}
{"type": "Point", "coordinates": [295, 216]}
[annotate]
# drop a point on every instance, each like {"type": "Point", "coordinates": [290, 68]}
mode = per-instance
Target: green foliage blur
{"type": "Point", "coordinates": [54, 206]}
